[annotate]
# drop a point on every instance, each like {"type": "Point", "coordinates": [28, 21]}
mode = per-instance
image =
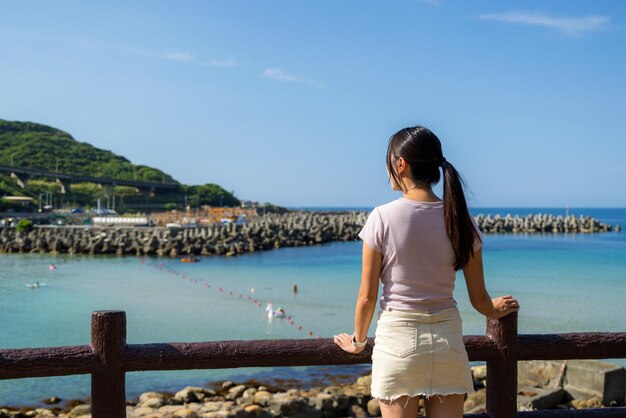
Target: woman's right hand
{"type": "Point", "coordinates": [504, 305]}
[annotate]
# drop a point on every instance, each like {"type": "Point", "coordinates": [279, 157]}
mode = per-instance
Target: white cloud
{"type": "Point", "coordinates": [168, 55]}
{"type": "Point", "coordinates": [187, 57]}
{"type": "Point", "coordinates": [184, 56]}
{"type": "Point", "coordinates": [572, 26]}
{"type": "Point", "coordinates": [181, 56]}
{"type": "Point", "coordinates": [277, 73]}
{"type": "Point", "coordinates": [221, 63]}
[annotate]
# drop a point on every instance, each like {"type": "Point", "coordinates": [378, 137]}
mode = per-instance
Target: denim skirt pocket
{"type": "Point", "coordinates": [397, 337]}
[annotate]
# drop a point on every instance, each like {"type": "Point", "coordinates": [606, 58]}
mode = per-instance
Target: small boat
{"type": "Point", "coordinates": [189, 259]}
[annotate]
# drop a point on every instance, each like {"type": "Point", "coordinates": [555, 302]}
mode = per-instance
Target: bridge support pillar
{"type": "Point", "coordinates": [65, 185]}
{"type": "Point", "coordinates": [20, 179]}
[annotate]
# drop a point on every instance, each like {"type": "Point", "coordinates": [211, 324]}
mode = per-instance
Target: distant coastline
{"type": "Point", "coordinates": [292, 229]}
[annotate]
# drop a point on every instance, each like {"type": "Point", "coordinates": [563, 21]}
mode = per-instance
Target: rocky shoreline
{"type": "Point", "coordinates": [541, 385]}
{"type": "Point", "coordinates": [271, 231]}
{"type": "Point", "coordinates": [542, 223]}
{"type": "Point", "coordinates": [293, 229]}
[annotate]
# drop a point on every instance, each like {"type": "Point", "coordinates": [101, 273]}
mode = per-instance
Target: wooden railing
{"type": "Point", "coordinates": [108, 358]}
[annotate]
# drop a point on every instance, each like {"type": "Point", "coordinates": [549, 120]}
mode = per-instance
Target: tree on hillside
{"type": "Point", "coordinates": [209, 194]}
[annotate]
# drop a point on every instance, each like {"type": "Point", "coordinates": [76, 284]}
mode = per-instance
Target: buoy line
{"type": "Point", "coordinates": [222, 291]}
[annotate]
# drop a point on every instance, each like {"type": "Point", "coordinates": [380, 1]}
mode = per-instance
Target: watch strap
{"type": "Point", "coordinates": [358, 344]}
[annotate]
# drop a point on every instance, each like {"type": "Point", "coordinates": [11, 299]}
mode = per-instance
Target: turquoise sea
{"type": "Point", "coordinates": [565, 283]}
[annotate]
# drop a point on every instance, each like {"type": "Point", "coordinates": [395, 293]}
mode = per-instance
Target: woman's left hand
{"type": "Point", "coordinates": [345, 342]}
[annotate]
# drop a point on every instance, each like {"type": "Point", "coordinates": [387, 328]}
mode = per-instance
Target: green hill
{"type": "Point", "coordinates": [32, 145]}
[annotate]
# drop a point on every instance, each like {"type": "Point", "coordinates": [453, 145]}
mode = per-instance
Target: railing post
{"type": "Point", "coordinates": [502, 370]}
{"type": "Point", "coordinates": [108, 388]}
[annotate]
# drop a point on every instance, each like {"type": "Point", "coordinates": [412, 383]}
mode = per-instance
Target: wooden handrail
{"type": "Point", "coordinates": [593, 345]}
{"type": "Point", "coordinates": [43, 362]}
{"type": "Point", "coordinates": [108, 358]}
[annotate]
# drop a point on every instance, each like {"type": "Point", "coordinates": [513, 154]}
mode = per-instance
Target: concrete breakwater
{"type": "Point", "coordinates": [541, 223]}
{"type": "Point", "coordinates": [270, 231]}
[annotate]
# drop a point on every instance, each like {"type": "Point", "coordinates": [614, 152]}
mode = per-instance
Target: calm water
{"type": "Point", "coordinates": [565, 283]}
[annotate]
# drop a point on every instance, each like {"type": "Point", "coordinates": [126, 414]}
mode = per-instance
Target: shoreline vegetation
{"type": "Point", "coordinates": [541, 385]}
{"type": "Point", "coordinates": [266, 232]}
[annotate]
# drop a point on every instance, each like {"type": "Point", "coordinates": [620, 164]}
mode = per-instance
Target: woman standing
{"type": "Point", "coordinates": [413, 246]}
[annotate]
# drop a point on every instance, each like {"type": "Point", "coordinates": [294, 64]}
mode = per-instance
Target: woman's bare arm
{"type": "Point", "coordinates": [480, 299]}
{"type": "Point", "coordinates": [366, 300]}
{"type": "Point", "coordinates": [368, 292]}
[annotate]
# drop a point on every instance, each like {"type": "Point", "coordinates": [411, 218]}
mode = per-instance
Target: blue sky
{"type": "Point", "coordinates": [294, 102]}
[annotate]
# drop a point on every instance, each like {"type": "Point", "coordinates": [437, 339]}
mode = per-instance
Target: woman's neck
{"type": "Point", "coordinates": [420, 193]}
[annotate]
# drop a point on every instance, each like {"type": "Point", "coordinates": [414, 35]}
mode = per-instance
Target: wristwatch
{"type": "Point", "coordinates": [357, 344]}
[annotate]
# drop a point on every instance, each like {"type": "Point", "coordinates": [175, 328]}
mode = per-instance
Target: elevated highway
{"type": "Point", "coordinates": [22, 174]}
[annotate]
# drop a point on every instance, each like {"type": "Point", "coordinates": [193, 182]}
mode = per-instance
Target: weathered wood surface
{"type": "Point", "coordinates": [586, 345]}
{"type": "Point", "coordinates": [233, 354]}
{"type": "Point", "coordinates": [502, 369]}
{"type": "Point", "coordinates": [480, 347]}
{"type": "Point", "coordinates": [263, 353]}
{"type": "Point", "coordinates": [108, 384]}
{"type": "Point", "coordinates": [61, 361]}
{"type": "Point", "coordinates": [41, 362]}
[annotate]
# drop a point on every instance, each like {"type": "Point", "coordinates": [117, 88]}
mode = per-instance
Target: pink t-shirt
{"type": "Point", "coordinates": [418, 258]}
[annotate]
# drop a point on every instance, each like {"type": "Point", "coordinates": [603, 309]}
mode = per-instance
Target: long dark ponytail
{"type": "Point", "coordinates": [421, 149]}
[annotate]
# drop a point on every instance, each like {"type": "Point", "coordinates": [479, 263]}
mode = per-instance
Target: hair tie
{"type": "Point", "coordinates": [442, 162]}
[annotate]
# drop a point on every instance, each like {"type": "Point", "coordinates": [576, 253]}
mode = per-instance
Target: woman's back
{"type": "Point", "coordinates": [418, 258]}
{"type": "Point", "coordinates": [413, 246]}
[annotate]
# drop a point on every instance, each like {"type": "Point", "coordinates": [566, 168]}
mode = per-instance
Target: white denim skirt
{"type": "Point", "coordinates": [420, 353]}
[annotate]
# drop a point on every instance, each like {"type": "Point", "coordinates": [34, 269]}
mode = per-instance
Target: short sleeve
{"type": "Point", "coordinates": [478, 236]}
{"type": "Point", "coordinates": [372, 232]}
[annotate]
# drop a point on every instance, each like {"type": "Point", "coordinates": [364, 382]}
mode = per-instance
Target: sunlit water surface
{"type": "Point", "coordinates": [565, 283]}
